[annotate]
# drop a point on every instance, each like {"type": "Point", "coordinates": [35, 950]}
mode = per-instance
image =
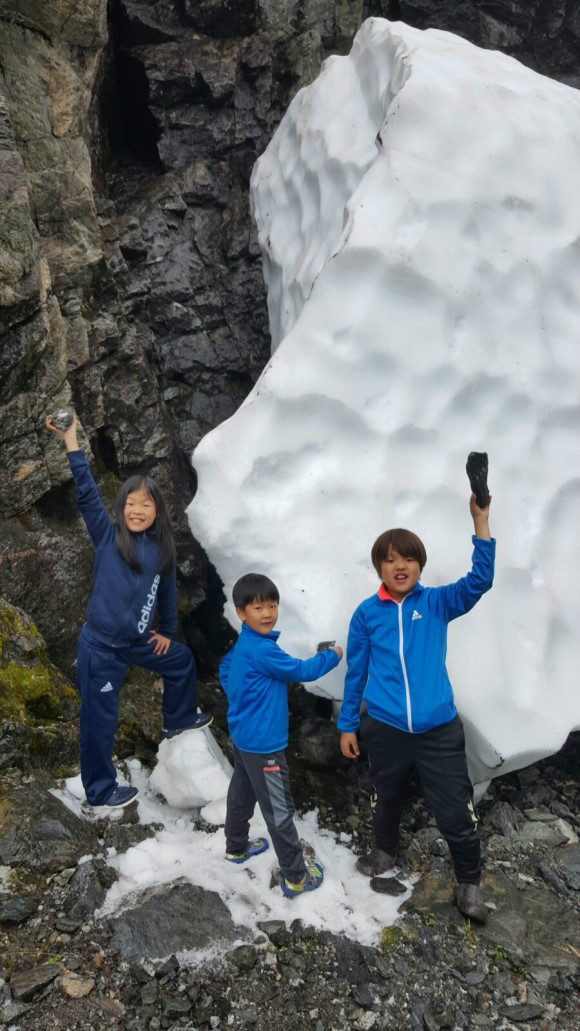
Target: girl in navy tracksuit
{"type": "Point", "coordinates": [134, 572]}
{"type": "Point", "coordinates": [396, 651]}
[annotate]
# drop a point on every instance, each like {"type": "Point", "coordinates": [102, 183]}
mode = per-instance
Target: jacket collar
{"type": "Point", "coordinates": [273, 635]}
{"type": "Point", "coordinates": [383, 594]}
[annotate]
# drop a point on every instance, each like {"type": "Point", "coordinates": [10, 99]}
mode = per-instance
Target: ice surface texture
{"type": "Point", "coordinates": [418, 215]}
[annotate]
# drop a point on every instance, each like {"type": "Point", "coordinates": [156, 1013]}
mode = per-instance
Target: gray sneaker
{"type": "Point", "coordinates": [469, 902]}
{"type": "Point", "coordinates": [375, 863]}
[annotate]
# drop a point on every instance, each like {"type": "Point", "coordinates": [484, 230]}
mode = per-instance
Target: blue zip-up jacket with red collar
{"type": "Point", "coordinates": [254, 675]}
{"type": "Point", "coordinates": [396, 652]}
{"type": "Point", "coordinates": [122, 605]}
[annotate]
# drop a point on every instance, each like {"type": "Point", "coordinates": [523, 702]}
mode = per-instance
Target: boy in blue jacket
{"type": "Point", "coordinates": [254, 676]}
{"type": "Point", "coordinates": [396, 651]}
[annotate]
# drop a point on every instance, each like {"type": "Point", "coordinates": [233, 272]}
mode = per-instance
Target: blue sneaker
{"type": "Point", "coordinates": [253, 848]}
{"type": "Point", "coordinates": [119, 798]}
{"type": "Point", "coordinates": [312, 880]}
{"type": "Point", "coordinates": [203, 719]}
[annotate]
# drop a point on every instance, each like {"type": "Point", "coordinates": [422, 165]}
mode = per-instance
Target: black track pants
{"type": "Point", "coordinates": [438, 757]}
{"type": "Point", "coordinates": [264, 779]}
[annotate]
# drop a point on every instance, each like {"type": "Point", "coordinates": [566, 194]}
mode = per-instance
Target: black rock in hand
{"type": "Point", "coordinates": [476, 468]}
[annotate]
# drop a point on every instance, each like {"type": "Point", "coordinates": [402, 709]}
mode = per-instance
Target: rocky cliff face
{"type": "Point", "coordinates": [130, 278]}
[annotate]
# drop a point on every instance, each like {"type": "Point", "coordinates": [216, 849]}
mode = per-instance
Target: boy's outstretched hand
{"type": "Point", "coordinates": [349, 746]}
{"type": "Point", "coordinates": [480, 518]}
{"type": "Point", "coordinates": [336, 648]}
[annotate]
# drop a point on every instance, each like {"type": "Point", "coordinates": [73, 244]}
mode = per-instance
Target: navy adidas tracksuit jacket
{"type": "Point", "coordinates": [115, 636]}
{"type": "Point", "coordinates": [122, 604]}
{"type": "Point", "coordinates": [396, 652]}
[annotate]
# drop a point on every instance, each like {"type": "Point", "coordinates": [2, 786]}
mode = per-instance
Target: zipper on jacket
{"type": "Point", "coordinates": [404, 668]}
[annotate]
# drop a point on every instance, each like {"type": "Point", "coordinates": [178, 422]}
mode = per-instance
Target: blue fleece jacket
{"type": "Point", "coordinates": [122, 605]}
{"type": "Point", "coordinates": [396, 652]}
{"type": "Point", "coordinates": [254, 675]}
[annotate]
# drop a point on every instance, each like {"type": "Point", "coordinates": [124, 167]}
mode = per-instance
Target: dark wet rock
{"type": "Point", "coordinates": [388, 886]}
{"type": "Point", "coordinates": [11, 1011]}
{"type": "Point", "coordinates": [505, 818]}
{"type": "Point", "coordinates": [547, 832]}
{"type": "Point", "coordinates": [477, 470]}
{"type": "Point", "coordinates": [15, 909]}
{"type": "Point", "coordinates": [549, 872]}
{"type": "Point", "coordinates": [244, 957]}
{"type": "Point", "coordinates": [529, 924]}
{"type": "Point", "coordinates": [277, 932]}
{"type": "Point", "coordinates": [28, 983]}
{"type": "Point", "coordinates": [169, 970]}
{"type": "Point", "coordinates": [169, 910]}
{"type": "Point", "coordinates": [88, 888]}
{"type": "Point", "coordinates": [318, 743]}
{"type": "Point", "coordinates": [525, 1011]}
{"type": "Point", "coordinates": [123, 835]}
{"type": "Point", "coordinates": [176, 1006]}
{"type": "Point", "coordinates": [38, 833]}
{"type": "Point", "coordinates": [568, 860]}
{"type": "Point", "coordinates": [150, 993]}
{"type": "Point", "coordinates": [66, 925]}
{"type": "Point", "coordinates": [362, 995]}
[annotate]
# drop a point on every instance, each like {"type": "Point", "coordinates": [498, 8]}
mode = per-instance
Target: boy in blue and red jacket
{"type": "Point", "coordinates": [396, 651]}
{"type": "Point", "coordinates": [254, 676]}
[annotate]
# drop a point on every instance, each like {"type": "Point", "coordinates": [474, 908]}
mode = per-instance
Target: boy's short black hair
{"type": "Point", "coordinates": [254, 587]}
{"type": "Point", "coordinates": [404, 541]}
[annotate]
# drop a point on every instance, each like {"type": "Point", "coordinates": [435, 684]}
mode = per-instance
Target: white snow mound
{"type": "Point", "coordinates": [192, 771]}
{"type": "Point", "coordinates": [418, 215]}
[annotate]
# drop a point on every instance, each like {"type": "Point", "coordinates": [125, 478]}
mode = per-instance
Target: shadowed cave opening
{"type": "Point", "coordinates": [133, 131]}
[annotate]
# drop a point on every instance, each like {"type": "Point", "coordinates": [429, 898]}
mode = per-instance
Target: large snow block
{"type": "Point", "coordinates": [418, 215]}
{"type": "Point", "coordinates": [192, 771]}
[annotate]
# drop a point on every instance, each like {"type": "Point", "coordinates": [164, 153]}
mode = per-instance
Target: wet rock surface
{"type": "Point", "coordinates": [431, 970]}
{"type": "Point", "coordinates": [169, 910]}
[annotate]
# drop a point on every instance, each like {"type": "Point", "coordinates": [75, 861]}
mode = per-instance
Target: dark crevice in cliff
{"type": "Point", "coordinates": [132, 131]}
{"type": "Point", "coordinates": [56, 505]}
{"type": "Point", "coordinates": [105, 451]}
{"type": "Point", "coordinates": [206, 628]}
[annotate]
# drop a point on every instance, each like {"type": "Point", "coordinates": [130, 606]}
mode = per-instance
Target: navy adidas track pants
{"type": "Point", "coordinates": [264, 779]}
{"type": "Point", "coordinates": [100, 673]}
{"type": "Point", "coordinates": [438, 756]}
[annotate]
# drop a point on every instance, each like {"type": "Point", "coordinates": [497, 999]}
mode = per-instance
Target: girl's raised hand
{"type": "Point", "coordinates": [161, 643]}
{"type": "Point", "coordinates": [69, 435]}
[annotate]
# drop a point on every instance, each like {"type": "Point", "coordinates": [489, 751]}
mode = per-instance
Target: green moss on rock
{"type": "Point", "coordinates": [31, 689]}
{"type": "Point", "coordinates": [32, 693]}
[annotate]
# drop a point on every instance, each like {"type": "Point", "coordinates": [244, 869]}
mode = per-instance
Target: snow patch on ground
{"type": "Point", "coordinates": [344, 904]}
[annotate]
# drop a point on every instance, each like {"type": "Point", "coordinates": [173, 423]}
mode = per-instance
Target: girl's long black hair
{"type": "Point", "coordinates": [162, 525]}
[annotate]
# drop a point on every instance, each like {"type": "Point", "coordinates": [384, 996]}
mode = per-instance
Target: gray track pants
{"type": "Point", "coordinates": [264, 779]}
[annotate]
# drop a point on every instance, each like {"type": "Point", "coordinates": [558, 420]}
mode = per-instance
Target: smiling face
{"type": "Point", "coordinates": [399, 574]}
{"type": "Point", "coordinates": [259, 615]}
{"type": "Point", "coordinates": [139, 511]}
